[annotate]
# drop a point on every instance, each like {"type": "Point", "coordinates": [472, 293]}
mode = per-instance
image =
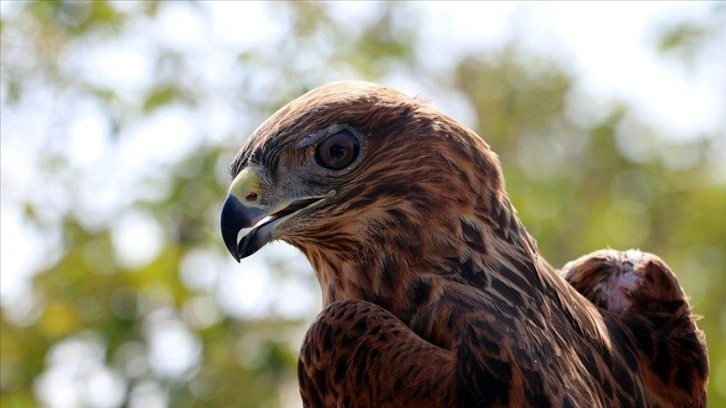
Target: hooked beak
{"type": "Point", "coordinates": [235, 217]}
{"type": "Point", "coordinates": [252, 214]}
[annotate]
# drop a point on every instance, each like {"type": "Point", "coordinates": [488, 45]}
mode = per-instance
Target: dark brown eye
{"type": "Point", "coordinates": [338, 151]}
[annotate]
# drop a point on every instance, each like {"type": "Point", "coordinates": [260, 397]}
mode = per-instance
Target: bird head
{"type": "Point", "coordinates": [377, 189]}
{"type": "Point", "coordinates": [349, 160]}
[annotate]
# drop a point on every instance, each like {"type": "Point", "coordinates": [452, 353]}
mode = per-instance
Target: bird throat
{"type": "Point", "coordinates": [409, 272]}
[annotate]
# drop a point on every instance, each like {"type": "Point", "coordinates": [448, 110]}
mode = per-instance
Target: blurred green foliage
{"type": "Point", "coordinates": [580, 182]}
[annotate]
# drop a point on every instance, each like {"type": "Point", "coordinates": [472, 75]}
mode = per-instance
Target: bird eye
{"type": "Point", "coordinates": [338, 151]}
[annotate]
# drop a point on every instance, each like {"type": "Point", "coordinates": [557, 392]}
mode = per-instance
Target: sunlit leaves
{"type": "Point", "coordinates": [160, 96]}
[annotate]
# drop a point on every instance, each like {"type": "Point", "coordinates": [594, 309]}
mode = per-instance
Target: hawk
{"type": "Point", "coordinates": [434, 293]}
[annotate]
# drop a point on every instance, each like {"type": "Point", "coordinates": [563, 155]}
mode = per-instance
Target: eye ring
{"type": "Point", "coordinates": [338, 151]}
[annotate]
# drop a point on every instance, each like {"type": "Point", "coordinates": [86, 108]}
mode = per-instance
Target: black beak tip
{"type": "Point", "coordinates": [234, 217]}
{"type": "Point", "coordinates": [231, 222]}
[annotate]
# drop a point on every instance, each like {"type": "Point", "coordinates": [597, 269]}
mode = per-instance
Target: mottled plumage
{"type": "Point", "coordinates": [434, 293]}
{"type": "Point", "coordinates": [651, 317]}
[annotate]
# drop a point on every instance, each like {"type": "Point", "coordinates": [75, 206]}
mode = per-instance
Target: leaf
{"type": "Point", "coordinates": [159, 96]}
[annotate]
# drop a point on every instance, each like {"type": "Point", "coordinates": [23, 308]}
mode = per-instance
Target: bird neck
{"type": "Point", "coordinates": [404, 272]}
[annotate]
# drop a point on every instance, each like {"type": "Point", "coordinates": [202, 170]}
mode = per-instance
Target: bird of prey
{"type": "Point", "coordinates": [434, 293]}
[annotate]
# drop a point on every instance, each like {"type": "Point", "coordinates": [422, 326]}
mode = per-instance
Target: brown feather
{"type": "Point", "coordinates": [650, 308]}
{"type": "Point", "coordinates": [434, 292]}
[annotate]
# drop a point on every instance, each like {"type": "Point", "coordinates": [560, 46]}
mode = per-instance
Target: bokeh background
{"type": "Point", "coordinates": [119, 120]}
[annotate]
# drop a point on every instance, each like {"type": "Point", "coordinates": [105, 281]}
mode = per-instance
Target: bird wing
{"type": "Point", "coordinates": [357, 355]}
{"type": "Point", "coordinates": [649, 316]}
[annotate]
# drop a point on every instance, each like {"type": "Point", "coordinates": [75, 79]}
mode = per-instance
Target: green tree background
{"type": "Point", "coordinates": [126, 293]}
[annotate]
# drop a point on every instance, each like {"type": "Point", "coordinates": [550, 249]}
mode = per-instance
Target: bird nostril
{"type": "Point", "coordinates": [251, 196]}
